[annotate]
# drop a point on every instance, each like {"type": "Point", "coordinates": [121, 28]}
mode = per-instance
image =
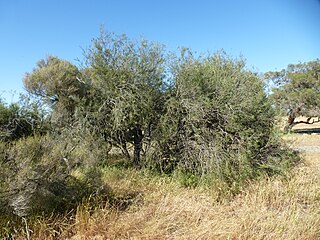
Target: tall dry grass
{"type": "Point", "coordinates": [157, 207]}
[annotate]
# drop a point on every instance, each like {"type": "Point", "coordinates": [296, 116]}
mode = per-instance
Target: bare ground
{"type": "Point", "coordinates": [306, 138]}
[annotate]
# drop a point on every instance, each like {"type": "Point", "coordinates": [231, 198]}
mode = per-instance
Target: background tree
{"type": "Point", "coordinates": [297, 90]}
{"type": "Point", "coordinates": [58, 83]}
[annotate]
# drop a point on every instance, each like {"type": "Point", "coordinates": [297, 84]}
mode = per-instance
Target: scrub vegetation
{"type": "Point", "coordinates": [139, 143]}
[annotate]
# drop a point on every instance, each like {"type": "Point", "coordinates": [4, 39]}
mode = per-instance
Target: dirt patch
{"type": "Point", "coordinates": [308, 149]}
{"type": "Point", "coordinates": [305, 138]}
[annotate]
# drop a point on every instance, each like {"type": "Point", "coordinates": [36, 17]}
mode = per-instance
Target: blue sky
{"type": "Point", "coordinates": [270, 34]}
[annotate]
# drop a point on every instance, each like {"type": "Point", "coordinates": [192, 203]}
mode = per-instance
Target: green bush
{"type": "Point", "coordinates": [218, 121]}
{"type": "Point", "coordinates": [40, 176]}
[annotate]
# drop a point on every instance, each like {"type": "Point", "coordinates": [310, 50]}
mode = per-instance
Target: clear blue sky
{"type": "Point", "coordinates": [269, 33]}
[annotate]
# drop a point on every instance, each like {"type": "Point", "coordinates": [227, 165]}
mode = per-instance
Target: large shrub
{"type": "Point", "coordinates": [218, 121]}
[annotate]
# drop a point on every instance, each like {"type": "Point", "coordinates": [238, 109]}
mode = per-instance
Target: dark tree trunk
{"type": "Point", "coordinates": [137, 142]}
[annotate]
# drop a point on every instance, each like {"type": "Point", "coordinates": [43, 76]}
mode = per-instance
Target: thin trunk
{"type": "Point", "coordinates": [125, 151]}
{"type": "Point", "coordinates": [291, 117]}
{"type": "Point", "coordinates": [137, 142]}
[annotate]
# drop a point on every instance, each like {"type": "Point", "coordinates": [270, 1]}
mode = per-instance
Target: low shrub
{"type": "Point", "coordinates": [40, 179]}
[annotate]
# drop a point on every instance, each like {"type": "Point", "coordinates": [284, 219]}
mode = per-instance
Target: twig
{"type": "Point", "coordinates": [27, 228]}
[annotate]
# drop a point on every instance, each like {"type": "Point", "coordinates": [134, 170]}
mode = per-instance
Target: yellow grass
{"type": "Point", "coordinates": [159, 208]}
{"type": "Point", "coordinates": [269, 209]}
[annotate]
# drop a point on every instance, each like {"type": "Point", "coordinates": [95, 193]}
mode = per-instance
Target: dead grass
{"type": "Point", "coordinates": [157, 207]}
{"type": "Point", "coordinates": [274, 208]}
{"type": "Point", "coordinates": [269, 209]}
{"type": "Point", "coordinates": [298, 140]}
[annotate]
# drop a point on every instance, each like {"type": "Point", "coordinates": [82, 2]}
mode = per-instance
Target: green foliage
{"type": "Point", "coordinates": [297, 88]}
{"type": "Point", "coordinates": [127, 84]}
{"type": "Point", "coordinates": [218, 121]}
{"type": "Point", "coordinates": [10, 122]}
{"type": "Point", "coordinates": [19, 120]}
{"type": "Point", "coordinates": [202, 119]}
{"type": "Point", "coordinates": [54, 79]}
{"type": "Point", "coordinates": [61, 87]}
{"type": "Point", "coordinates": [186, 179]}
{"type": "Point", "coordinates": [39, 176]}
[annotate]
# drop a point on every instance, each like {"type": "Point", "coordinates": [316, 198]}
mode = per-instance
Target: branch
{"type": "Point", "coordinates": [308, 121]}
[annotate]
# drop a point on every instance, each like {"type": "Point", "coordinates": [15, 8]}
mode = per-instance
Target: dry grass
{"type": "Point", "coordinates": [155, 207]}
{"type": "Point", "coordinates": [269, 209]}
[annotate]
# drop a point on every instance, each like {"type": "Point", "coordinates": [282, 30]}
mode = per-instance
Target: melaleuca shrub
{"type": "Point", "coordinates": [217, 121]}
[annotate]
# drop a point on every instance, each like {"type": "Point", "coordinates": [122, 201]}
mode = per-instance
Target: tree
{"type": "Point", "coordinates": [297, 90]}
{"type": "Point", "coordinates": [58, 83]}
{"type": "Point", "coordinates": [202, 114]}
{"type": "Point", "coordinates": [119, 92]}
{"type": "Point", "coordinates": [127, 80]}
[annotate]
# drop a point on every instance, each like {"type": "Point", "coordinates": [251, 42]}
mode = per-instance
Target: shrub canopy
{"type": "Point", "coordinates": [203, 116]}
{"type": "Point", "coordinates": [217, 120]}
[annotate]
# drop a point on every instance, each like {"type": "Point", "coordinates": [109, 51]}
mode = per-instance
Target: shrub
{"type": "Point", "coordinates": [218, 121]}
{"type": "Point", "coordinates": [40, 176]}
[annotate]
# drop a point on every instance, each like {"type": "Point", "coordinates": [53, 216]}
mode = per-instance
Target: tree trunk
{"type": "Point", "coordinates": [291, 117]}
{"type": "Point", "coordinates": [137, 142]}
{"type": "Point", "coordinates": [290, 124]}
{"type": "Point", "coordinates": [125, 151]}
